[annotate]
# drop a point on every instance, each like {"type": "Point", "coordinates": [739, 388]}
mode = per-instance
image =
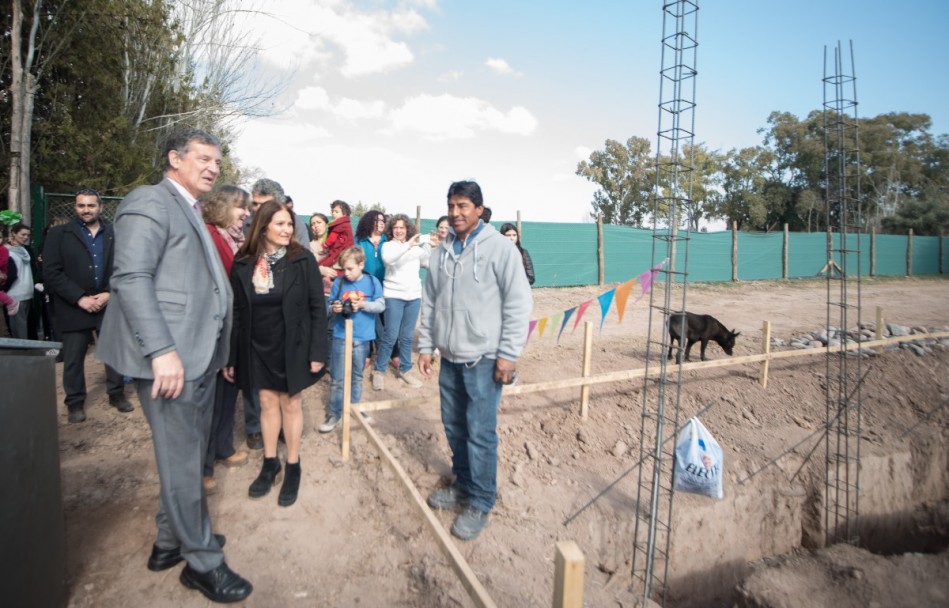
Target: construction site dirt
{"type": "Point", "coordinates": [354, 538]}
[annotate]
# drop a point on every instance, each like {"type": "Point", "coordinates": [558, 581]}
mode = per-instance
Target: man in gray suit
{"type": "Point", "coordinates": [168, 325]}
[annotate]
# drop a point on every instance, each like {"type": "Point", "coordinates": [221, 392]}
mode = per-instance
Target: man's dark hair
{"type": "Point", "coordinates": [268, 187]}
{"type": "Point", "coordinates": [469, 189]}
{"type": "Point", "coordinates": [180, 140]}
{"type": "Point", "coordinates": [89, 192]}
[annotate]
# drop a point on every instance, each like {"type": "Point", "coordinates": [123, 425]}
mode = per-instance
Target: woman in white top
{"type": "Point", "coordinates": [403, 256]}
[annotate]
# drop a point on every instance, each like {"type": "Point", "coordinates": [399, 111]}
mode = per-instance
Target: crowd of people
{"type": "Point", "coordinates": [198, 293]}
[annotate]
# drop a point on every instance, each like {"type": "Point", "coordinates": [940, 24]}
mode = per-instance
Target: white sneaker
{"type": "Point", "coordinates": [378, 380]}
{"type": "Point", "coordinates": [410, 378]}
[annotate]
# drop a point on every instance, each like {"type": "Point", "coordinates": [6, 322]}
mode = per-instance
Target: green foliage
{"type": "Point", "coordinates": [361, 208]}
{"type": "Point", "coordinates": [626, 176]}
{"type": "Point", "coordinates": [925, 218]}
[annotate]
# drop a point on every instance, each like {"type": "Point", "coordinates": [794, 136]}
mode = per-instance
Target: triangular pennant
{"type": "Point", "coordinates": [566, 317]}
{"type": "Point", "coordinates": [580, 310]}
{"type": "Point", "coordinates": [541, 326]}
{"type": "Point", "coordinates": [530, 328]}
{"type": "Point", "coordinates": [622, 294]}
{"type": "Point", "coordinates": [605, 300]}
{"type": "Point", "coordinates": [555, 321]}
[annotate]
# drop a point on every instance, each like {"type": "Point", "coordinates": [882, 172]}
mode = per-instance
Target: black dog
{"type": "Point", "coordinates": [699, 328]}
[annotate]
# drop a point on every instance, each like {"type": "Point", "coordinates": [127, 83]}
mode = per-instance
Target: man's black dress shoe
{"type": "Point", "coordinates": [221, 585]}
{"type": "Point", "coordinates": [162, 559]}
{"type": "Point", "coordinates": [120, 403]}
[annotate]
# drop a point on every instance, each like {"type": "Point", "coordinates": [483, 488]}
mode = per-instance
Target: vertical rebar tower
{"type": "Point", "coordinates": [844, 225]}
{"type": "Point", "coordinates": [672, 203]}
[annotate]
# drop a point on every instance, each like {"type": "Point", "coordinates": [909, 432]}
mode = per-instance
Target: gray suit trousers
{"type": "Point", "coordinates": [180, 430]}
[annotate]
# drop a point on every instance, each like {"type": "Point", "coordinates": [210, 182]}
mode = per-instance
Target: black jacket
{"type": "Point", "coordinates": [68, 274]}
{"type": "Point", "coordinates": [304, 318]}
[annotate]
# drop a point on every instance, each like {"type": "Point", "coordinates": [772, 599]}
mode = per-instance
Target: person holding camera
{"type": "Point", "coordinates": [404, 253]}
{"type": "Point", "coordinates": [359, 297]}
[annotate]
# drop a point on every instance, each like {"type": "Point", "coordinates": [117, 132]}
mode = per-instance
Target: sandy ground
{"type": "Point", "coordinates": [353, 539]}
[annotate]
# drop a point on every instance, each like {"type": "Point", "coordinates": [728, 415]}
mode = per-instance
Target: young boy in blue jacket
{"type": "Point", "coordinates": [355, 296]}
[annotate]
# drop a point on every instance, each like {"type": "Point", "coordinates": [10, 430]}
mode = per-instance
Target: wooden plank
{"type": "Point", "coordinates": [568, 575]}
{"type": "Point", "coordinates": [347, 387]}
{"type": "Point", "coordinates": [784, 254]}
{"type": "Point", "coordinates": [765, 350]}
{"type": "Point", "coordinates": [734, 252]}
{"type": "Point", "coordinates": [633, 374]}
{"type": "Point", "coordinates": [599, 249]}
{"type": "Point", "coordinates": [476, 591]}
{"type": "Point", "coordinates": [587, 365]}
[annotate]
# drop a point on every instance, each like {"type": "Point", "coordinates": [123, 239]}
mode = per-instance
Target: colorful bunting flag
{"type": "Point", "coordinates": [541, 325]}
{"type": "Point", "coordinates": [566, 317]}
{"type": "Point", "coordinates": [554, 322]}
{"type": "Point", "coordinates": [580, 310]}
{"type": "Point", "coordinates": [530, 328]}
{"type": "Point", "coordinates": [622, 294]}
{"type": "Point", "coordinates": [605, 300]}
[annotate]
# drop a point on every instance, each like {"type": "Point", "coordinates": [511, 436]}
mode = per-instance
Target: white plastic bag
{"type": "Point", "coordinates": [699, 464]}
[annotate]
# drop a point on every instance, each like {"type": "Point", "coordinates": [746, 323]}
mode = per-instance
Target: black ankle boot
{"type": "Point", "coordinates": [291, 485]}
{"type": "Point", "coordinates": [266, 479]}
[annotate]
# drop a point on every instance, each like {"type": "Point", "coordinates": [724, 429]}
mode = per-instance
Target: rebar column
{"type": "Point", "coordinates": [672, 217]}
{"type": "Point", "coordinates": [844, 273]}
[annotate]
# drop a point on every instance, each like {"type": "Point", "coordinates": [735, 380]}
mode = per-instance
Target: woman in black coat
{"type": "Point", "coordinates": [278, 344]}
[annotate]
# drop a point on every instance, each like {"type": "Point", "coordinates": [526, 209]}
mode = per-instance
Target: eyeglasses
{"type": "Point", "coordinates": [381, 220]}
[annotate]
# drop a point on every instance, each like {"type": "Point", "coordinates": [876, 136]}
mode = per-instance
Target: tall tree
{"type": "Point", "coordinates": [626, 177]}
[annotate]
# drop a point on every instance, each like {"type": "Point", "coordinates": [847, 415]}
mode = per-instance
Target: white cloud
{"type": "Point", "coordinates": [312, 98]}
{"type": "Point", "coordinates": [313, 33]}
{"type": "Point", "coordinates": [450, 76]}
{"type": "Point", "coordinates": [500, 66]}
{"type": "Point", "coordinates": [449, 117]}
{"type": "Point", "coordinates": [582, 152]}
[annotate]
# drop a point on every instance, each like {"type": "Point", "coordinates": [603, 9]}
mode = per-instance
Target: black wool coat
{"type": "Point", "coordinates": [68, 274]}
{"type": "Point", "coordinates": [304, 318]}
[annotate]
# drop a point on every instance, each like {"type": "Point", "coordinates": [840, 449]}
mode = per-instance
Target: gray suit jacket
{"type": "Point", "coordinates": [169, 290]}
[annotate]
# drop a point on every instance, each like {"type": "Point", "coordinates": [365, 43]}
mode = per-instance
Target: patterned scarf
{"type": "Point", "coordinates": [263, 270]}
{"type": "Point", "coordinates": [234, 237]}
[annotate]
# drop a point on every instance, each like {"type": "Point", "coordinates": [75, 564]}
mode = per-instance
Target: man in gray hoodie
{"type": "Point", "coordinates": [476, 306]}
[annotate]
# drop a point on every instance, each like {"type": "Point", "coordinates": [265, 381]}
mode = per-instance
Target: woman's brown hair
{"type": "Point", "coordinates": [216, 207]}
{"type": "Point", "coordinates": [253, 247]}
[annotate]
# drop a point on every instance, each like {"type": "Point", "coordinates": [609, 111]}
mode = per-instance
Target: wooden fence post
{"type": "Point", "coordinates": [879, 329]}
{"type": "Point", "coordinates": [568, 575]}
{"type": "Point", "coordinates": [587, 361]}
{"type": "Point", "coordinates": [942, 252]}
{"type": "Point", "coordinates": [734, 252]}
{"type": "Point", "coordinates": [873, 251]}
{"type": "Point", "coordinates": [765, 350]}
{"type": "Point", "coordinates": [784, 254]}
{"type": "Point", "coordinates": [520, 231]}
{"type": "Point", "coordinates": [418, 218]}
{"type": "Point", "coordinates": [909, 253]}
{"type": "Point", "coordinates": [599, 249]}
{"type": "Point", "coordinates": [347, 386]}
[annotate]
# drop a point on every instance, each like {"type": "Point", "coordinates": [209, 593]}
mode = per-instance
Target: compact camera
{"type": "Point", "coordinates": [347, 308]}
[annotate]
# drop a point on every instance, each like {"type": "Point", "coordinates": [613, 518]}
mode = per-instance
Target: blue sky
{"type": "Point", "coordinates": [390, 102]}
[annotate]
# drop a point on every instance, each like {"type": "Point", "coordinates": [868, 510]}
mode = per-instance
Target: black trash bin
{"type": "Point", "coordinates": [32, 530]}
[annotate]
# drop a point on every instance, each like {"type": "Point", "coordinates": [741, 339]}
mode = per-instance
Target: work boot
{"type": "Point", "coordinates": [291, 485]}
{"type": "Point", "coordinates": [77, 414]}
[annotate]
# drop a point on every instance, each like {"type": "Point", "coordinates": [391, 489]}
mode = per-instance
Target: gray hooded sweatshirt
{"type": "Point", "coordinates": [477, 302]}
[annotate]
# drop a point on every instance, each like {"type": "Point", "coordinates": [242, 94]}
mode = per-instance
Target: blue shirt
{"type": "Point", "coordinates": [96, 246]}
{"type": "Point", "coordinates": [366, 287]}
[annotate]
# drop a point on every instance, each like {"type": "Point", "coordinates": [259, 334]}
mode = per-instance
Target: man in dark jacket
{"type": "Point", "coordinates": [77, 261]}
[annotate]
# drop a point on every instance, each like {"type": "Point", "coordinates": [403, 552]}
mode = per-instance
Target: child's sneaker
{"type": "Point", "coordinates": [410, 378]}
{"type": "Point", "coordinates": [378, 380]}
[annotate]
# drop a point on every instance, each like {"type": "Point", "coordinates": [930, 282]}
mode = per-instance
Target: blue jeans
{"type": "Point", "coordinates": [470, 399]}
{"type": "Point", "coordinates": [337, 363]}
{"type": "Point", "coordinates": [401, 316]}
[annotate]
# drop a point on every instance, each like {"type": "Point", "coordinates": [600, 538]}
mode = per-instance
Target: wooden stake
{"type": "Point", "coordinates": [568, 575]}
{"type": "Point", "coordinates": [879, 330]}
{"type": "Point", "coordinates": [587, 364]}
{"type": "Point", "coordinates": [347, 386]}
{"type": "Point", "coordinates": [873, 252]}
{"type": "Point", "coordinates": [418, 218]}
{"type": "Point", "coordinates": [476, 591]}
{"type": "Point", "coordinates": [766, 350]}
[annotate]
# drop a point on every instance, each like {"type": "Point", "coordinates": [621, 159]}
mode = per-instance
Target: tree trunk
{"type": "Point", "coordinates": [16, 103]}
